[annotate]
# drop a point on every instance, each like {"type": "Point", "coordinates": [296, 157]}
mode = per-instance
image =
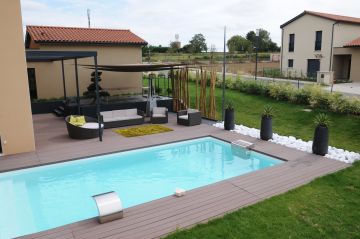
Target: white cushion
{"type": "Point", "coordinates": [192, 110]}
{"type": "Point", "coordinates": [159, 115]}
{"type": "Point", "coordinates": [119, 113]}
{"type": "Point", "coordinates": [131, 112]}
{"type": "Point", "coordinates": [185, 117]}
{"type": "Point", "coordinates": [91, 126]}
{"type": "Point", "coordinates": [107, 114]}
{"type": "Point", "coordinates": [159, 110]}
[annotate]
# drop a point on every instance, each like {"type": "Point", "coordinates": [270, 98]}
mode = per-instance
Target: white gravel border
{"type": "Point", "coordinates": [291, 142]}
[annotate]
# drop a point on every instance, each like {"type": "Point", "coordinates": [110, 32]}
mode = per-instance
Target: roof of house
{"type": "Point", "coordinates": [353, 43]}
{"type": "Point", "coordinates": [333, 17]}
{"type": "Point", "coordinates": [77, 35]}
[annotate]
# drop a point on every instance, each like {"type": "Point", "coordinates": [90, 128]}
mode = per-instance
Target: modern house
{"type": "Point", "coordinates": [314, 41]}
{"type": "Point", "coordinates": [16, 124]}
{"type": "Point", "coordinates": [113, 46]}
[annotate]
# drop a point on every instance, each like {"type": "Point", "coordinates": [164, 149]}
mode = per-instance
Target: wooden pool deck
{"type": "Point", "coordinates": [158, 218]}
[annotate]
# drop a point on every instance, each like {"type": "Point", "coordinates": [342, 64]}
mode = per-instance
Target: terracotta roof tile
{"type": "Point", "coordinates": [333, 17]}
{"type": "Point", "coordinates": [353, 43]}
{"type": "Point", "coordinates": [71, 35]}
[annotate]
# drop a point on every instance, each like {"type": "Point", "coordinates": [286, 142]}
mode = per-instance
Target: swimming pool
{"type": "Point", "coordinates": [45, 197]}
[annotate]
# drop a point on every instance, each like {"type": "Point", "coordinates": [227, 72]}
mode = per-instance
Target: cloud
{"type": "Point", "coordinates": [158, 21]}
{"type": "Point", "coordinates": [32, 5]}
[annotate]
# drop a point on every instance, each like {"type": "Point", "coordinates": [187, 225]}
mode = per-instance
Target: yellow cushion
{"type": "Point", "coordinates": [77, 120]}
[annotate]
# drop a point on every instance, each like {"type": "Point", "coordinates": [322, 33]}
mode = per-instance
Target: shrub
{"type": "Point", "coordinates": [268, 111]}
{"type": "Point", "coordinates": [282, 91]}
{"type": "Point", "coordinates": [322, 120]}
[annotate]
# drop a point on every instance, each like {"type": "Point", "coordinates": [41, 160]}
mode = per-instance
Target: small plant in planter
{"type": "Point", "coordinates": [321, 135]}
{"type": "Point", "coordinates": [266, 123]}
{"type": "Point", "coordinates": [229, 123]}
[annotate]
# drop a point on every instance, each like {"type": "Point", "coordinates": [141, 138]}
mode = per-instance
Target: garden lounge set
{"type": "Point", "coordinates": [84, 127]}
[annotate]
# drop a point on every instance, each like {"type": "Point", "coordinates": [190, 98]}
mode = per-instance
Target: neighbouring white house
{"type": "Point", "coordinates": [315, 43]}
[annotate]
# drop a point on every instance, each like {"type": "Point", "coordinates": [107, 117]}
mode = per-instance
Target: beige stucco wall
{"type": "Point", "coordinates": [49, 76]}
{"type": "Point", "coordinates": [355, 61]}
{"type": "Point", "coordinates": [16, 126]}
{"type": "Point", "coordinates": [304, 29]}
{"type": "Point", "coordinates": [344, 33]}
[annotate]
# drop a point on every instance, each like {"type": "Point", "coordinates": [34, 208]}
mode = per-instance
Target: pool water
{"type": "Point", "coordinates": [40, 198]}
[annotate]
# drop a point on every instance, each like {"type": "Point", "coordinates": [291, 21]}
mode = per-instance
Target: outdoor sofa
{"type": "Point", "coordinates": [119, 118]}
{"type": "Point", "coordinates": [87, 131]}
{"type": "Point", "coordinates": [189, 117]}
{"type": "Point", "coordinates": [159, 115]}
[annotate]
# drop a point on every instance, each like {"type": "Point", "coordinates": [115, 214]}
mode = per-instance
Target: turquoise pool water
{"type": "Point", "coordinates": [36, 199]}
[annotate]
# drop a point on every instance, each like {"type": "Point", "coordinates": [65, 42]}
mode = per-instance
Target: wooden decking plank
{"type": "Point", "coordinates": [275, 180]}
{"type": "Point", "coordinates": [277, 173]}
{"type": "Point", "coordinates": [213, 208]}
{"type": "Point", "coordinates": [176, 206]}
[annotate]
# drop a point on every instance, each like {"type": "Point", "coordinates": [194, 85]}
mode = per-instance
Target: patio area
{"type": "Point", "coordinates": [160, 217]}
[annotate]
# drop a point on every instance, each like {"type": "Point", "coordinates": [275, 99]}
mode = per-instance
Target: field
{"type": "Point", "coordinates": [248, 67]}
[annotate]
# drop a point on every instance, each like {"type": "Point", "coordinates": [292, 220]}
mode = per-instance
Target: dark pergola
{"type": "Point", "coordinates": [51, 56]}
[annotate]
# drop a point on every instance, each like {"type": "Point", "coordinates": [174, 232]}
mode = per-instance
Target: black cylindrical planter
{"type": "Point", "coordinates": [229, 123]}
{"type": "Point", "coordinates": [266, 128]}
{"type": "Point", "coordinates": [321, 141]}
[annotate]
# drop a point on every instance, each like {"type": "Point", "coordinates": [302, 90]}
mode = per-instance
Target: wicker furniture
{"type": "Point", "coordinates": [89, 130]}
{"type": "Point", "coordinates": [189, 117]}
{"type": "Point", "coordinates": [119, 118]}
{"type": "Point", "coordinates": [159, 115]}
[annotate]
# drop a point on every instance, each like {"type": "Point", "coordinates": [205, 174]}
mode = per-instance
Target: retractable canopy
{"type": "Point", "coordinates": [49, 56]}
{"type": "Point", "coordinates": [138, 67]}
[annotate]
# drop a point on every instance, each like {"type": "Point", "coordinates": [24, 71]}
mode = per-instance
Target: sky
{"type": "Point", "coordinates": [158, 21]}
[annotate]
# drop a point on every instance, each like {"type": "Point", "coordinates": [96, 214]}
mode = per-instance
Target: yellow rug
{"type": "Point", "coordinates": [142, 130]}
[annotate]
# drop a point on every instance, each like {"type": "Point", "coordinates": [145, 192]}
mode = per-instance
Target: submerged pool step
{"type": "Point", "coordinates": [243, 144]}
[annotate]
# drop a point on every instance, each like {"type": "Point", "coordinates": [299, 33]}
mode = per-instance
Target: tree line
{"type": "Point", "coordinates": [236, 44]}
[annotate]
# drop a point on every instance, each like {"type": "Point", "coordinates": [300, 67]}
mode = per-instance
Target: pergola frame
{"type": "Point", "coordinates": [51, 56]}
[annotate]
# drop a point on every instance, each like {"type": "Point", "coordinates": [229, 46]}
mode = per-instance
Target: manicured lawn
{"type": "Point", "coordinates": [325, 208]}
{"type": "Point", "coordinates": [290, 119]}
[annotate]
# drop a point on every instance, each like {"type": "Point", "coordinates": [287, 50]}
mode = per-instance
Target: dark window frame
{"type": "Point", "coordinates": [291, 42]}
{"type": "Point", "coordinates": [318, 40]}
{"type": "Point", "coordinates": [31, 71]}
{"type": "Point", "coordinates": [290, 63]}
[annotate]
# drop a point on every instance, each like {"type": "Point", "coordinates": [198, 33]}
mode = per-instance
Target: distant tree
{"type": "Point", "coordinates": [154, 49]}
{"type": "Point", "coordinates": [174, 46]}
{"type": "Point", "coordinates": [238, 43]}
{"type": "Point", "coordinates": [265, 42]}
{"type": "Point", "coordinates": [186, 49]}
{"type": "Point", "coordinates": [198, 43]}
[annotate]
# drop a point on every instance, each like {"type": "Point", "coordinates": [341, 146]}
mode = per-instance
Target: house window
{"type": "Point", "coordinates": [291, 42]}
{"type": "Point", "coordinates": [318, 40]}
{"type": "Point", "coordinates": [290, 63]}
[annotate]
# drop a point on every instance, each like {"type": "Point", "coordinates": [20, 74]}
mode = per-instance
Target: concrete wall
{"type": "Point", "coordinates": [304, 29]}
{"type": "Point", "coordinates": [49, 77]}
{"type": "Point", "coordinates": [16, 126]}
{"type": "Point", "coordinates": [355, 61]}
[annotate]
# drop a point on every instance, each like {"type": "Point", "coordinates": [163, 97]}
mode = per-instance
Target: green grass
{"type": "Point", "coordinates": [325, 208]}
{"type": "Point", "coordinates": [289, 119]}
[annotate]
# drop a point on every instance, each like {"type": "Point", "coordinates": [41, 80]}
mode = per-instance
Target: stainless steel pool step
{"type": "Point", "coordinates": [243, 144]}
{"type": "Point", "coordinates": [109, 206]}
